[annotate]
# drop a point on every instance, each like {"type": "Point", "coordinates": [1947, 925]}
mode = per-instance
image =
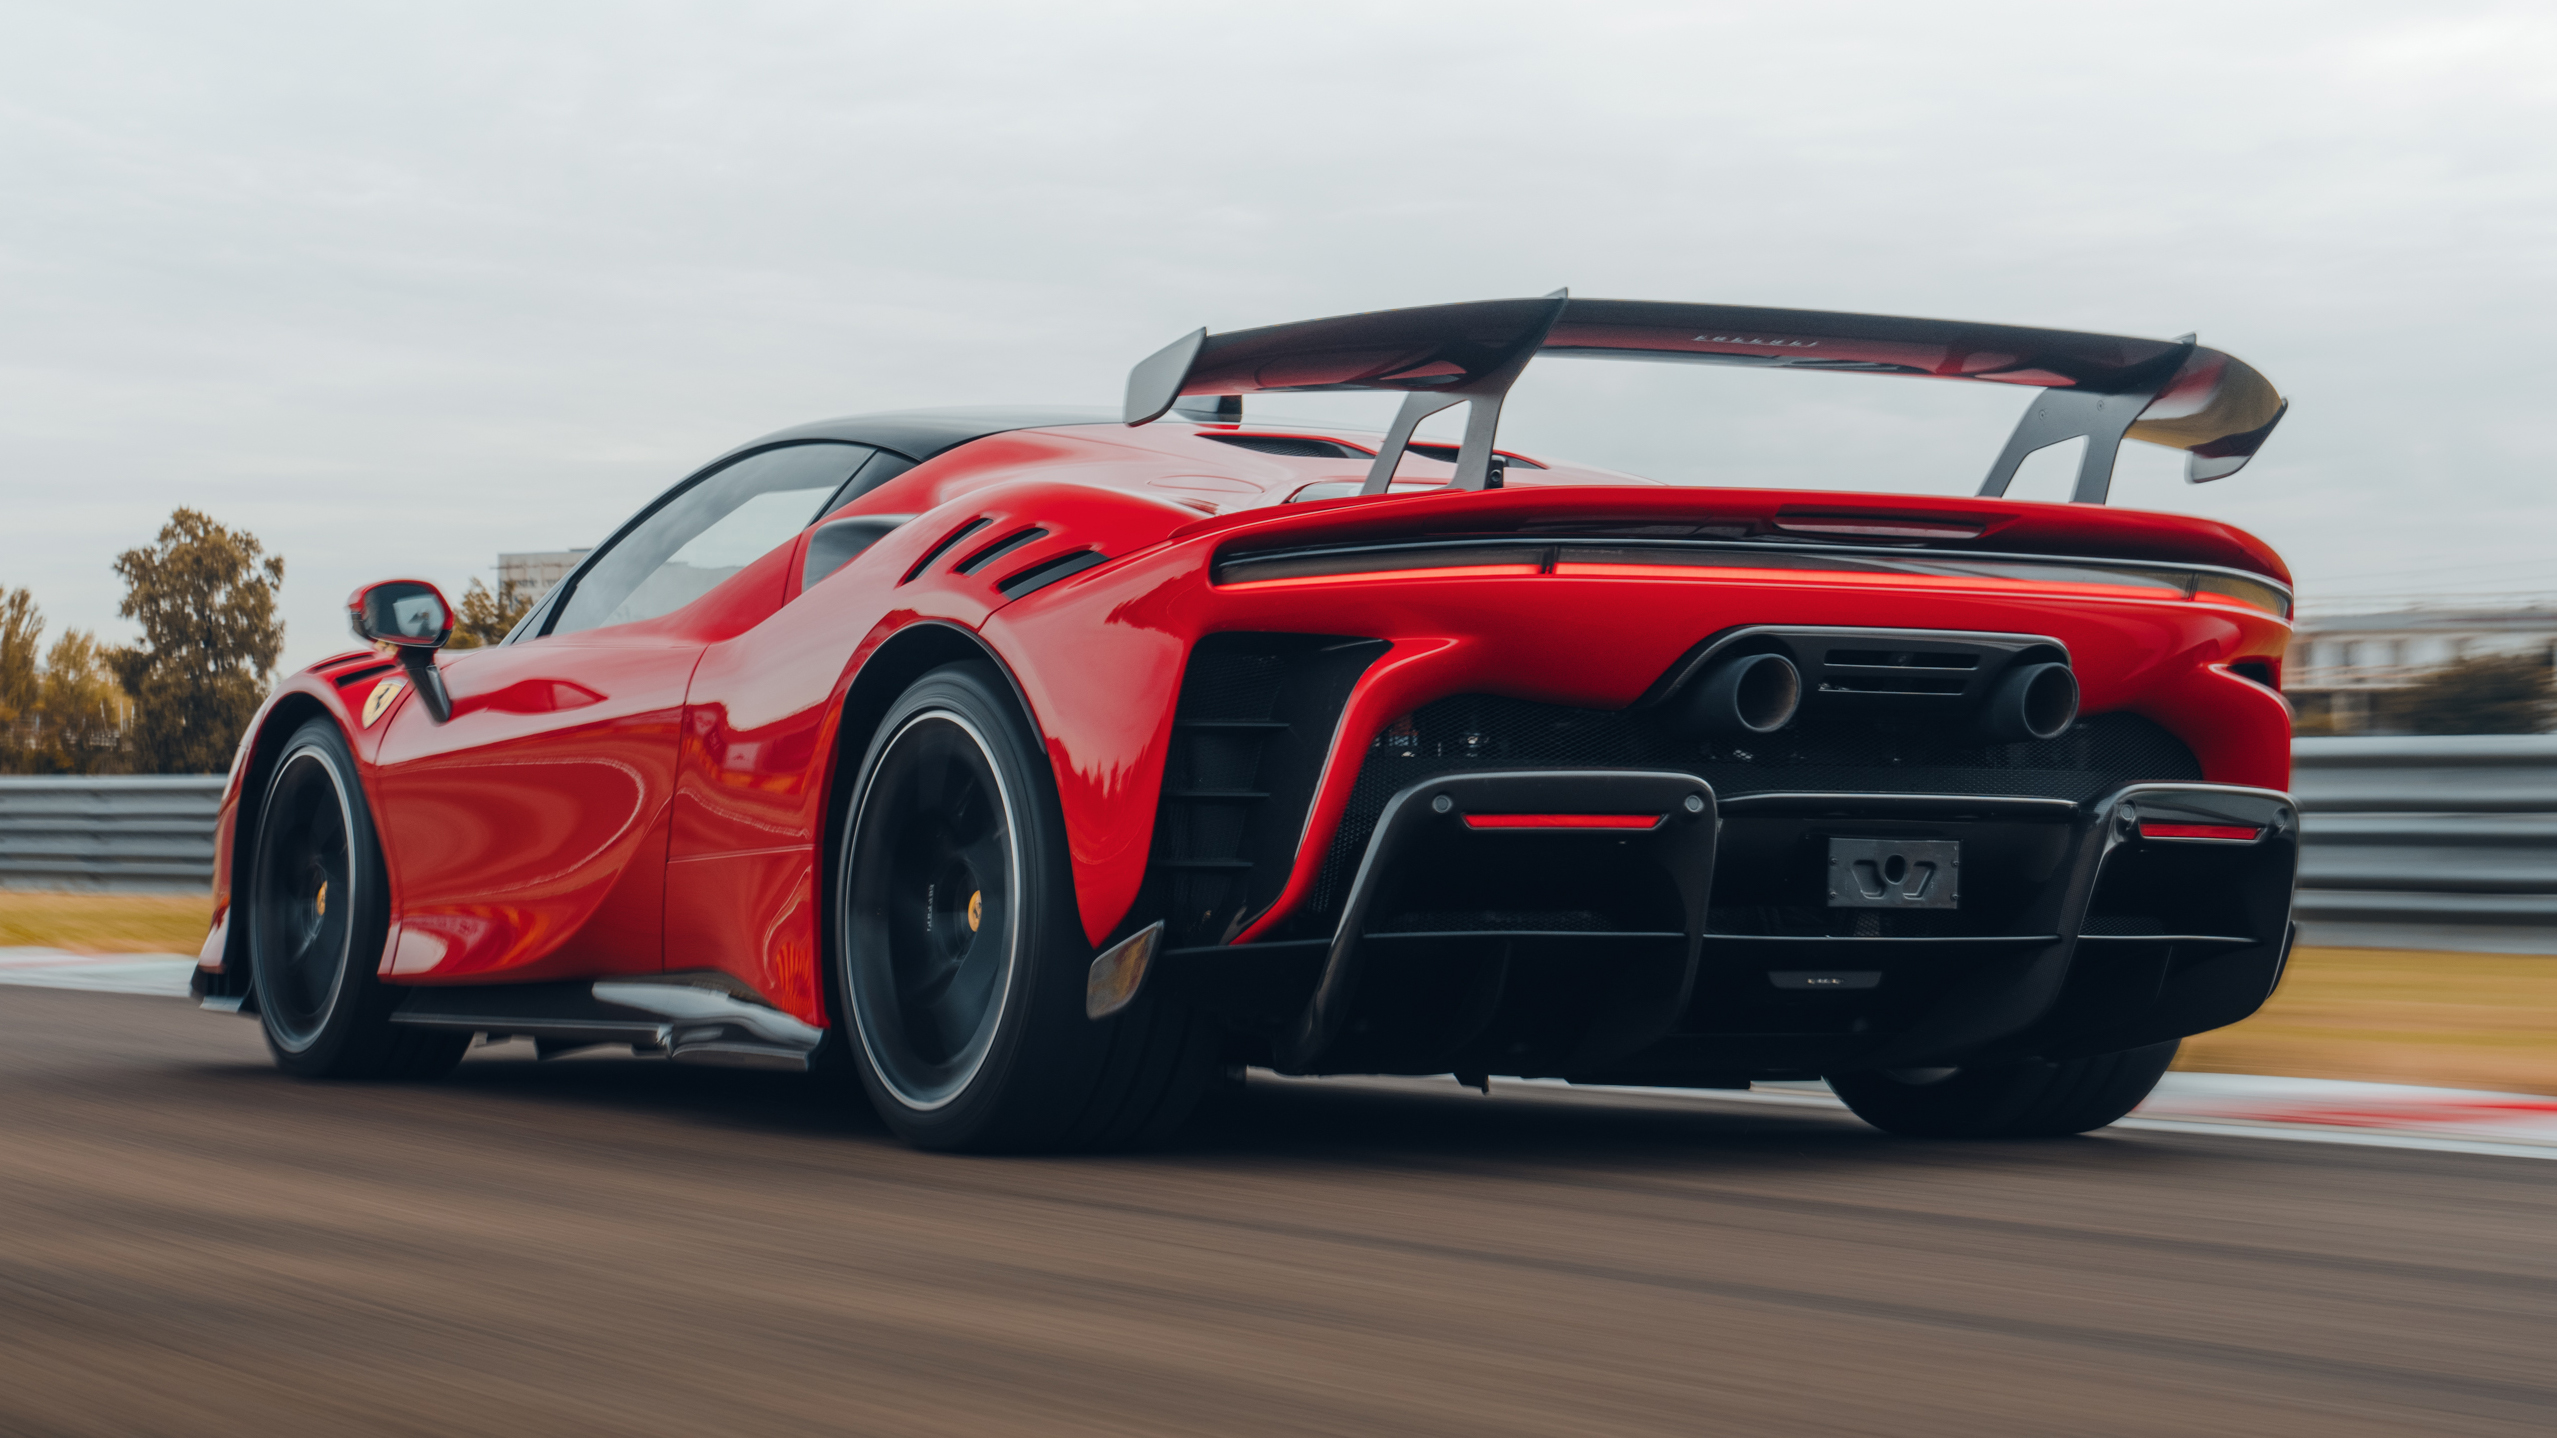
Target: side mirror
{"type": "Point", "coordinates": [411, 618]}
{"type": "Point", "coordinates": [409, 613]}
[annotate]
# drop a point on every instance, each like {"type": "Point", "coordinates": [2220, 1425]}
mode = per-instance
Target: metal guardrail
{"type": "Point", "coordinates": [136, 833]}
{"type": "Point", "coordinates": [2427, 842]}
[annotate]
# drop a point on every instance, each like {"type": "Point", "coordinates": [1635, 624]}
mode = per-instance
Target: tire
{"type": "Point", "coordinates": [959, 957]}
{"type": "Point", "coordinates": [2034, 1099]}
{"type": "Point", "coordinates": [318, 908]}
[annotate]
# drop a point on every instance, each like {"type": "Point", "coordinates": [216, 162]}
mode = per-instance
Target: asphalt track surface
{"type": "Point", "coordinates": [192, 1244]}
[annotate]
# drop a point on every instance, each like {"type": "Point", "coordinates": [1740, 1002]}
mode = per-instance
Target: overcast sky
{"type": "Point", "coordinates": [397, 288]}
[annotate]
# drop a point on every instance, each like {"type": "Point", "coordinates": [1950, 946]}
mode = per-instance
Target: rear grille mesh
{"type": "Point", "coordinates": [1256, 718]}
{"type": "Point", "coordinates": [1478, 731]}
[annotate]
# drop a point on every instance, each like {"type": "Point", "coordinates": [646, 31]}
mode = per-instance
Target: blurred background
{"type": "Point", "coordinates": [296, 296]}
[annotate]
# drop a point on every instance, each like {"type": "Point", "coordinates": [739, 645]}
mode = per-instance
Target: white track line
{"type": "Point", "coordinates": [162, 974]}
{"type": "Point", "coordinates": [2358, 1137]}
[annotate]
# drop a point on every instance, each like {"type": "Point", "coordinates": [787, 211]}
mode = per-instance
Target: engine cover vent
{"type": "Point", "coordinates": [1291, 446]}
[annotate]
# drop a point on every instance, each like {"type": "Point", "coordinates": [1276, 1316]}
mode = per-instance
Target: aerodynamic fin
{"type": "Point", "coordinates": [2107, 388]}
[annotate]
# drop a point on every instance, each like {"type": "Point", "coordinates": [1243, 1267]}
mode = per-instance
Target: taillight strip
{"type": "Point", "coordinates": [1599, 557]}
{"type": "Point", "coordinates": [1563, 821]}
{"type": "Point", "coordinates": [2236, 833]}
{"type": "Point", "coordinates": [1362, 576]}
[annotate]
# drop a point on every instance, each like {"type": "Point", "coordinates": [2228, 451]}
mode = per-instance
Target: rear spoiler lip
{"type": "Point", "coordinates": [2082, 532]}
{"type": "Point", "coordinates": [1234, 553]}
{"type": "Point", "coordinates": [2176, 393]}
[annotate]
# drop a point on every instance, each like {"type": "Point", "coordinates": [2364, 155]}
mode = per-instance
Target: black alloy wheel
{"type": "Point", "coordinates": [959, 958]}
{"type": "Point", "coordinates": [934, 909]}
{"type": "Point", "coordinates": [300, 941]}
{"type": "Point", "coordinates": [317, 914]}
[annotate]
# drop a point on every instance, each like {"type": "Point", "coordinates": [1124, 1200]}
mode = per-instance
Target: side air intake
{"type": "Point", "coordinates": [1256, 721]}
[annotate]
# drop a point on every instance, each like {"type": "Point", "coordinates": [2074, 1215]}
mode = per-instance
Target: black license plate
{"type": "Point", "coordinates": [1895, 873]}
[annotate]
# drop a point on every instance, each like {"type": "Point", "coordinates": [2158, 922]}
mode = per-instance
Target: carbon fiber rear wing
{"type": "Point", "coordinates": [2104, 388]}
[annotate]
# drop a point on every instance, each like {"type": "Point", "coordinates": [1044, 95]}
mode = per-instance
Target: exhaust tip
{"type": "Point", "coordinates": [1750, 694]}
{"type": "Point", "coordinates": [2037, 701]}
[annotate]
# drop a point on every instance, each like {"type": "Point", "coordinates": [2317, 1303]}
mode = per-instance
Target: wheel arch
{"type": "Point", "coordinates": [291, 710]}
{"type": "Point", "coordinates": [891, 669]}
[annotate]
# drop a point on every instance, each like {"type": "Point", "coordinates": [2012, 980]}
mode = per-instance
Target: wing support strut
{"type": "Point", "coordinates": [1482, 398]}
{"type": "Point", "coordinates": [2057, 416]}
{"type": "Point", "coordinates": [1418, 405]}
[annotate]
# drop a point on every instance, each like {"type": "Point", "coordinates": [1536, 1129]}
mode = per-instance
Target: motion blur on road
{"type": "Point", "coordinates": [195, 1244]}
{"type": "Point", "coordinates": [296, 297]}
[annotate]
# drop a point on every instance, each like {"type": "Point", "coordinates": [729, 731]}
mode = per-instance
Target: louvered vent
{"type": "Point", "coordinates": [1446, 454]}
{"type": "Point", "coordinates": [1292, 446]}
{"type": "Point", "coordinates": [997, 550]}
{"type": "Point", "coordinates": [943, 546]}
{"type": "Point", "coordinates": [1039, 576]}
{"type": "Point", "coordinates": [1896, 671]}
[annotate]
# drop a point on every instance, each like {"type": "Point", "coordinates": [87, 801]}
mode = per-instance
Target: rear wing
{"type": "Point", "coordinates": [2104, 388]}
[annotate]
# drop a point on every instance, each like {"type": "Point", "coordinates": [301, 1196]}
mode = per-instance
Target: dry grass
{"type": "Point", "coordinates": [2481, 1021]}
{"type": "Point", "coordinates": [2458, 1020]}
{"type": "Point", "coordinates": [105, 923]}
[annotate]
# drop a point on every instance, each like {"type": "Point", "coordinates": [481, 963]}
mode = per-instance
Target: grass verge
{"type": "Point", "coordinates": [105, 923]}
{"type": "Point", "coordinates": [2480, 1021]}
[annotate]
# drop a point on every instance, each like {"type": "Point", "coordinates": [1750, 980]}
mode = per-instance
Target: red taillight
{"type": "Point", "coordinates": [2239, 832]}
{"type": "Point", "coordinates": [1562, 821]}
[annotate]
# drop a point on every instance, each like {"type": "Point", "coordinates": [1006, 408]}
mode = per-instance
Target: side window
{"type": "Point", "coordinates": [722, 523]}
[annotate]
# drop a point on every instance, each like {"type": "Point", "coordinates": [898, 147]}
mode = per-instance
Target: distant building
{"type": "Point", "coordinates": [534, 574]}
{"type": "Point", "coordinates": [2337, 665]}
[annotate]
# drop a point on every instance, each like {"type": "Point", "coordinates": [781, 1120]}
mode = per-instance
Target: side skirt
{"type": "Point", "coordinates": [687, 1020]}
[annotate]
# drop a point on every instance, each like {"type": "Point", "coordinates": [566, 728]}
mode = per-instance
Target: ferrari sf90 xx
{"type": "Point", "coordinates": [1035, 767]}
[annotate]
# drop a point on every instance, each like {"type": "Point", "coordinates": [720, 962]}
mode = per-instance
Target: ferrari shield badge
{"type": "Point", "coordinates": [378, 703]}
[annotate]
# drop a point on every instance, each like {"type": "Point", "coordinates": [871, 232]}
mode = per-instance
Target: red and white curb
{"type": "Point", "coordinates": [2301, 1110]}
{"type": "Point", "coordinates": [2374, 1115]}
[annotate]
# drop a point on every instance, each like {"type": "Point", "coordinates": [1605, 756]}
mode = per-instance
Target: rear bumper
{"type": "Point", "coordinates": [1628, 926]}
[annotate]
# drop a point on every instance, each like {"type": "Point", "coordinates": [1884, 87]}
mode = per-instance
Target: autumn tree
{"type": "Point", "coordinates": [84, 711]}
{"type": "Point", "coordinates": [21, 626]}
{"type": "Point", "coordinates": [64, 716]}
{"type": "Point", "coordinates": [2489, 694]}
{"type": "Point", "coordinates": [485, 616]}
{"type": "Point", "coordinates": [205, 599]}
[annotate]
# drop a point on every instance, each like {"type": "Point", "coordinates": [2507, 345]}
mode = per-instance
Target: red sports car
{"type": "Point", "coordinates": [1037, 766]}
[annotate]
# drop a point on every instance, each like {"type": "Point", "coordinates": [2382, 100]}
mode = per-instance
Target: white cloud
{"type": "Point", "coordinates": [398, 289]}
